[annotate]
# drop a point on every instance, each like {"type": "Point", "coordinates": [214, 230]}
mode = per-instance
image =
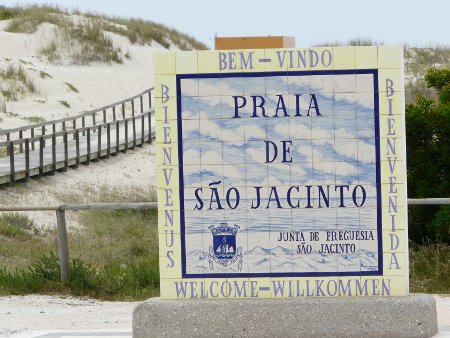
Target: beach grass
{"type": "Point", "coordinates": [113, 254]}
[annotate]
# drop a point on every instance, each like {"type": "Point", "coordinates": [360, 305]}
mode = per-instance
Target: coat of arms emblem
{"type": "Point", "coordinates": [224, 250]}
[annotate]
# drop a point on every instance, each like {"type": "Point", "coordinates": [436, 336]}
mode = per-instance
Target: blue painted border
{"type": "Point", "coordinates": [374, 72]}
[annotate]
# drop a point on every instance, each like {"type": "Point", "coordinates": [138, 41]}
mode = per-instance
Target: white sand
{"type": "Point", "coordinates": [99, 84]}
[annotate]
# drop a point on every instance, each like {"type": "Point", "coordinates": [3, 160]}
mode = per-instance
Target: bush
{"type": "Point", "coordinates": [428, 146]}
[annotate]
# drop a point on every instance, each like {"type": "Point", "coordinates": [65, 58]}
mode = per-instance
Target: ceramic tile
{"type": "Point", "coordinates": [389, 81]}
{"type": "Point", "coordinates": [343, 58]}
{"type": "Point", "coordinates": [165, 111]}
{"type": "Point", "coordinates": [390, 147]}
{"type": "Point", "coordinates": [168, 134]}
{"type": "Point", "coordinates": [321, 58]}
{"type": "Point", "coordinates": [168, 219]}
{"type": "Point", "coordinates": [208, 62]}
{"type": "Point", "coordinates": [188, 63]}
{"type": "Point", "coordinates": [167, 177]}
{"type": "Point", "coordinates": [167, 156]}
{"type": "Point", "coordinates": [164, 63]}
{"type": "Point", "coordinates": [395, 263]}
{"type": "Point", "coordinates": [165, 87]}
{"type": "Point", "coordinates": [389, 56]}
{"type": "Point", "coordinates": [169, 198]}
{"type": "Point", "coordinates": [366, 57]}
{"type": "Point", "coordinates": [265, 156]}
{"type": "Point", "coordinates": [395, 241]}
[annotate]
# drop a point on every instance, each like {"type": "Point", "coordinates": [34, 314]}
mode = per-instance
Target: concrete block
{"type": "Point", "coordinates": [409, 316]}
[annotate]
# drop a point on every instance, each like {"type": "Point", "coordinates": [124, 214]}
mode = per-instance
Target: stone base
{"type": "Point", "coordinates": [410, 316]}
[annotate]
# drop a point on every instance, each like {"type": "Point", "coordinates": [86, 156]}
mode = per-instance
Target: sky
{"type": "Point", "coordinates": [414, 22]}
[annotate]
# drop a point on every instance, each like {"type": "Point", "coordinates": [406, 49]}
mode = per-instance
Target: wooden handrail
{"type": "Point", "coordinates": [71, 118]}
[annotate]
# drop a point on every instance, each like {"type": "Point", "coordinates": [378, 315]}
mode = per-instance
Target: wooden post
{"type": "Point", "coordinates": [150, 99]}
{"type": "Point", "coordinates": [11, 162]}
{"type": "Point", "coordinates": [8, 138]}
{"type": "Point", "coordinates": [108, 140]}
{"type": "Point", "coordinates": [142, 103]}
{"type": "Point", "coordinates": [63, 246]}
{"type": "Point", "coordinates": [93, 119]}
{"type": "Point", "coordinates": [104, 115]}
{"type": "Point", "coordinates": [53, 154]}
{"type": "Point", "coordinates": [134, 131]}
{"type": "Point", "coordinates": [88, 146]}
{"type": "Point", "coordinates": [150, 127]}
{"type": "Point", "coordinates": [32, 136]}
{"type": "Point", "coordinates": [117, 138]}
{"type": "Point", "coordinates": [77, 148]}
{"type": "Point", "coordinates": [21, 137]}
{"type": "Point", "coordinates": [74, 124]}
{"type": "Point", "coordinates": [41, 155]}
{"type": "Point", "coordinates": [99, 143]}
{"type": "Point", "coordinates": [66, 151]}
{"type": "Point", "coordinates": [126, 135]}
{"type": "Point", "coordinates": [43, 133]}
{"type": "Point", "coordinates": [83, 123]}
{"type": "Point", "coordinates": [132, 107]}
{"type": "Point", "coordinates": [114, 113]}
{"type": "Point", "coordinates": [142, 129]}
{"type": "Point", "coordinates": [27, 159]}
{"type": "Point", "coordinates": [123, 110]}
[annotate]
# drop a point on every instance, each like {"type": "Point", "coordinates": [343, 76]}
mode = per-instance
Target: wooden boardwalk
{"type": "Point", "coordinates": [43, 148]}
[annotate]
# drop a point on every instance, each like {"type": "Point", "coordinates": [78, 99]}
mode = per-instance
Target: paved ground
{"type": "Point", "coordinates": [37, 316]}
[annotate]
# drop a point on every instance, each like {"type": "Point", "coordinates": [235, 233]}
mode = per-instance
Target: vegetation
{"type": "Point", "coordinates": [16, 82]}
{"type": "Point", "coordinates": [71, 87]}
{"type": "Point", "coordinates": [429, 268]}
{"type": "Point", "coordinates": [64, 103]}
{"type": "Point", "coordinates": [43, 74]}
{"type": "Point", "coordinates": [85, 42]}
{"type": "Point", "coordinates": [428, 146]}
{"type": "Point", "coordinates": [34, 119]}
{"type": "Point", "coordinates": [114, 255]}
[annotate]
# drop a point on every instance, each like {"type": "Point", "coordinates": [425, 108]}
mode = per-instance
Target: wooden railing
{"type": "Point", "coordinates": [78, 139]}
{"type": "Point", "coordinates": [63, 246]}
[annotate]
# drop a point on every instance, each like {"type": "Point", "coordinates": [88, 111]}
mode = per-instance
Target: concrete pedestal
{"type": "Point", "coordinates": [410, 316]}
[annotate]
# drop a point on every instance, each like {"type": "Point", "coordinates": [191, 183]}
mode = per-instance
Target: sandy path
{"type": "Point", "coordinates": [38, 312]}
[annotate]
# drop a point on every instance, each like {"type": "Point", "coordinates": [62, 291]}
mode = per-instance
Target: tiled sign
{"type": "Point", "coordinates": [281, 173]}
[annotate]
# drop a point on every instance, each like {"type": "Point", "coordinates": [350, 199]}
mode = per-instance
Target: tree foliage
{"type": "Point", "coordinates": [428, 159]}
